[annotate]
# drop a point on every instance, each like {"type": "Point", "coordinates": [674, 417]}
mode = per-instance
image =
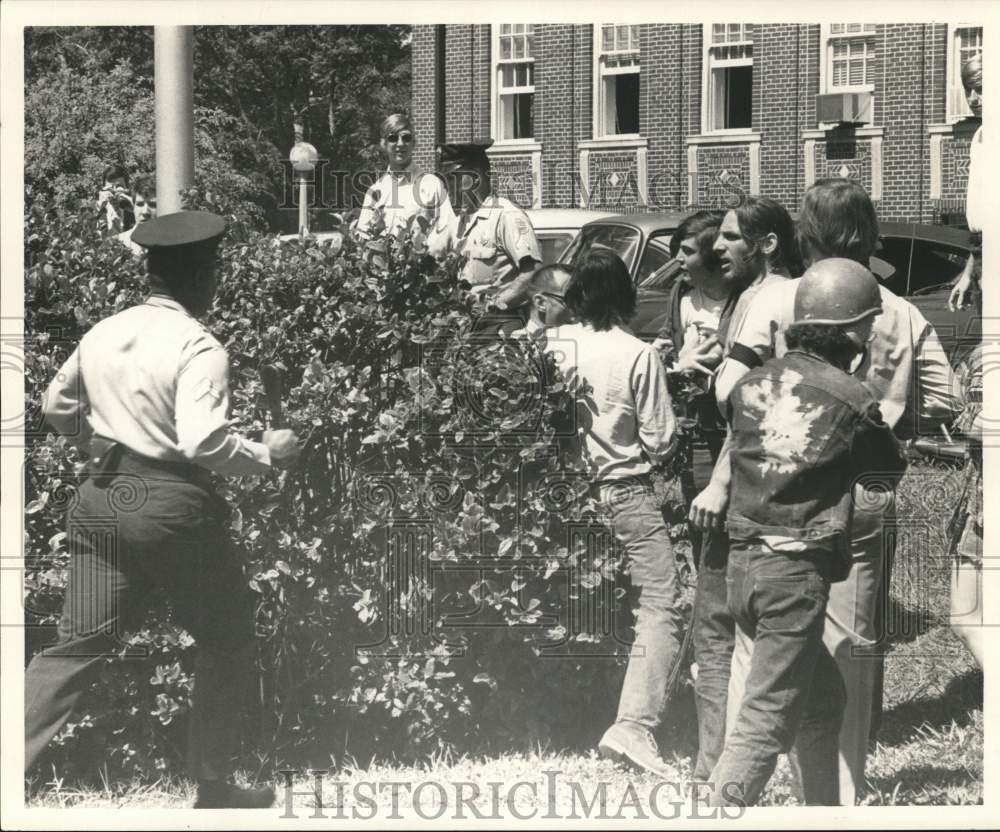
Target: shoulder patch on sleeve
{"type": "Point", "coordinates": [207, 387]}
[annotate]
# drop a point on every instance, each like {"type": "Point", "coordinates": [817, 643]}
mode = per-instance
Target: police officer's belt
{"type": "Point", "coordinates": [108, 457]}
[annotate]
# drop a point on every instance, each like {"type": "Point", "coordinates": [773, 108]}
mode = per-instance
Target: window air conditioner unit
{"type": "Point", "coordinates": [844, 108]}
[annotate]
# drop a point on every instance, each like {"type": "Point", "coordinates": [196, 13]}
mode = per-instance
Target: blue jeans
{"type": "Point", "coordinates": [635, 517]}
{"type": "Point", "coordinates": [851, 636]}
{"type": "Point", "coordinates": [794, 693]}
{"type": "Point", "coordinates": [714, 639]}
{"type": "Point", "coordinates": [714, 635]}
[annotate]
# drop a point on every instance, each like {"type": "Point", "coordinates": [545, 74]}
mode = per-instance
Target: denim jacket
{"type": "Point", "coordinates": [803, 432]}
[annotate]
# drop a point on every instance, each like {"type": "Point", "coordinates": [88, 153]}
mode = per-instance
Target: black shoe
{"type": "Point", "coordinates": [215, 794]}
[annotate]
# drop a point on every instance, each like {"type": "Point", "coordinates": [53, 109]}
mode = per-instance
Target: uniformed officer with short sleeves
{"type": "Point", "coordinates": [493, 233]}
{"type": "Point", "coordinates": [146, 392]}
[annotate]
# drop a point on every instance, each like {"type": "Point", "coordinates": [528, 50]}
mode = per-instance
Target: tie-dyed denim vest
{"type": "Point", "coordinates": [804, 432]}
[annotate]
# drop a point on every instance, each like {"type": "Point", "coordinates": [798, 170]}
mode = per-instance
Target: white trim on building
{"type": "Point", "coordinates": [616, 58]}
{"type": "Point", "coordinates": [513, 90]}
{"type": "Point", "coordinates": [964, 40]}
{"type": "Point", "coordinates": [727, 50]}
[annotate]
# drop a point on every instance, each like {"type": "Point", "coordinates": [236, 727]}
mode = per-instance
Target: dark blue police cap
{"type": "Point", "coordinates": [183, 228]}
{"type": "Point", "coordinates": [467, 155]}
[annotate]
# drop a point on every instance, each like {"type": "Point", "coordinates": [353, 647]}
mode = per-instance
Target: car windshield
{"type": "Point", "coordinates": [621, 239]}
{"type": "Point", "coordinates": [553, 244]}
{"type": "Point", "coordinates": [663, 278]}
{"type": "Point", "coordinates": [656, 255]}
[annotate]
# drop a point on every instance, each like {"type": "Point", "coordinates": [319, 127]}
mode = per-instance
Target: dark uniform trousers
{"type": "Point", "coordinates": [141, 528]}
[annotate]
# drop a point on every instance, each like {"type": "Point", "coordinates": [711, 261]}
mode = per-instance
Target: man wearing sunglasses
{"type": "Point", "coordinates": [547, 308]}
{"type": "Point", "coordinates": [403, 194]}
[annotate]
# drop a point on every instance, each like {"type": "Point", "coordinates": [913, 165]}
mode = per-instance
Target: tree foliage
{"type": "Point", "coordinates": [338, 82]}
{"type": "Point", "coordinates": [89, 102]}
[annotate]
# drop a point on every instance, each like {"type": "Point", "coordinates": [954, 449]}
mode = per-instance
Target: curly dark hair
{"type": "Point", "coordinates": [828, 342]}
{"type": "Point", "coordinates": [144, 184]}
{"type": "Point", "coordinates": [601, 292]}
{"type": "Point", "coordinates": [115, 171]}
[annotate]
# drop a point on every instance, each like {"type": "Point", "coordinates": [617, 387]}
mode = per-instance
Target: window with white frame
{"type": "Point", "coordinates": [514, 59]}
{"type": "Point", "coordinates": [728, 77]}
{"type": "Point", "coordinates": [616, 93]}
{"type": "Point", "coordinates": [964, 42]}
{"type": "Point", "coordinates": [850, 57]}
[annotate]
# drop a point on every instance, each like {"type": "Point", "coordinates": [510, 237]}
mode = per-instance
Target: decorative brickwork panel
{"type": "Point", "coordinates": [882, 79]}
{"type": "Point", "coordinates": [810, 57]}
{"type": "Point", "coordinates": [691, 56]}
{"type": "Point", "coordinates": [512, 178]}
{"type": "Point", "coordinates": [723, 175]}
{"type": "Point", "coordinates": [935, 71]}
{"type": "Point", "coordinates": [614, 183]}
{"type": "Point", "coordinates": [845, 158]}
{"type": "Point", "coordinates": [954, 175]}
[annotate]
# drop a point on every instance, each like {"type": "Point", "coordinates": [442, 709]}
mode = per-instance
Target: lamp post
{"type": "Point", "coordinates": [303, 158]}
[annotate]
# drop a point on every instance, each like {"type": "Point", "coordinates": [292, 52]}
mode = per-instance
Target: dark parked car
{"type": "Point", "coordinates": [918, 262]}
{"type": "Point", "coordinates": [927, 260]}
{"type": "Point", "coordinates": [641, 240]}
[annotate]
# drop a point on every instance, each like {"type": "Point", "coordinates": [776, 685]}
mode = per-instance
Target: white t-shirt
{"type": "Point", "coordinates": [700, 311]}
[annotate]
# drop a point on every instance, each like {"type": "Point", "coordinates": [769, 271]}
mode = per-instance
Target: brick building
{"type": "Point", "coordinates": [676, 115]}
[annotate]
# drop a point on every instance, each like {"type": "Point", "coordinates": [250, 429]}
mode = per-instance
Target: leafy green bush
{"type": "Point", "coordinates": [431, 573]}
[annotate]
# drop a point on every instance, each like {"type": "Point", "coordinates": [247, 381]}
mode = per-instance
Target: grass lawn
{"type": "Point", "coordinates": [929, 750]}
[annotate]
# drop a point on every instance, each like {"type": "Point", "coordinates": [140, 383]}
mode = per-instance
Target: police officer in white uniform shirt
{"type": "Point", "coordinates": [147, 393]}
{"type": "Point", "coordinates": [493, 233]}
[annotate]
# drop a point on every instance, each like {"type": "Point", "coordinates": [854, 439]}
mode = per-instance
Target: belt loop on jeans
{"type": "Point", "coordinates": [625, 486]}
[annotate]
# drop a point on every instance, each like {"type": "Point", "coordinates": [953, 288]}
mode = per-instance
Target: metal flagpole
{"type": "Point", "coordinates": [174, 65]}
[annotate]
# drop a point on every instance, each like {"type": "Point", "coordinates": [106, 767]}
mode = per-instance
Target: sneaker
{"type": "Point", "coordinates": [215, 794]}
{"type": "Point", "coordinates": [628, 742]}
